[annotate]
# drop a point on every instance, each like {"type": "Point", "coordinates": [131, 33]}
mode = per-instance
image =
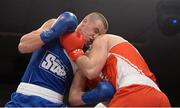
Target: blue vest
{"type": "Point", "coordinates": [49, 67]}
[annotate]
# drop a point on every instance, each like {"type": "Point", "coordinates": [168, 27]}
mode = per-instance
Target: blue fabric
{"type": "Point", "coordinates": [50, 68]}
{"type": "Point", "coordinates": [20, 100]}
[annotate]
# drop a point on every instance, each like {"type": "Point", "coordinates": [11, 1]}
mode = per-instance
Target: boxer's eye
{"type": "Point", "coordinates": [96, 31]}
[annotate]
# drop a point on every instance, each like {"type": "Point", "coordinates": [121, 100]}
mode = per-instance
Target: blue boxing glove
{"type": "Point", "coordinates": [66, 22]}
{"type": "Point", "coordinates": [104, 91]}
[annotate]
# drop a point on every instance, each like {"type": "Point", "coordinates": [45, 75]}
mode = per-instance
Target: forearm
{"type": "Point", "coordinates": [90, 64]}
{"type": "Point", "coordinates": [77, 89]}
{"type": "Point", "coordinates": [102, 92]}
{"type": "Point", "coordinates": [87, 66]}
{"type": "Point", "coordinates": [30, 42]}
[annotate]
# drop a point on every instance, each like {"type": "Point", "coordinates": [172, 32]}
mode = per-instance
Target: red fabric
{"type": "Point", "coordinates": [139, 96]}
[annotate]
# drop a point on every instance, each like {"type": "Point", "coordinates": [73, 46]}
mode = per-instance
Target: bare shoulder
{"type": "Point", "coordinates": [108, 40]}
{"type": "Point", "coordinates": [113, 40]}
{"type": "Point", "coordinates": [110, 37]}
{"type": "Point", "coordinates": [101, 39]}
{"type": "Point", "coordinates": [115, 37]}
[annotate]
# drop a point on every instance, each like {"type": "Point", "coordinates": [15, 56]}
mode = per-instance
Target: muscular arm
{"type": "Point", "coordinates": [92, 64]}
{"type": "Point", "coordinates": [32, 41]}
{"type": "Point", "coordinates": [77, 90]}
{"type": "Point", "coordinates": [103, 92]}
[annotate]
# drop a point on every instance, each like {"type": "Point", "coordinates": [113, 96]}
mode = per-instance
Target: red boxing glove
{"type": "Point", "coordinates": [73, 43]}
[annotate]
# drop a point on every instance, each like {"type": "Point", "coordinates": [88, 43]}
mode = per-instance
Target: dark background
{"type": "Point", "coordinates": [135, 20]}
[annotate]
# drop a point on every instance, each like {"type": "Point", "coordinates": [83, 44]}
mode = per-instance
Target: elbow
{"type": "Point", "coordinates": [23, 48]}
{"type": "Point", "coordinates": [91, 74]}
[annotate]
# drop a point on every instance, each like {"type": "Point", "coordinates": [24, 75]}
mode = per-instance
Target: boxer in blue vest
{"type": "Point", "coordinates": [50, 71]}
